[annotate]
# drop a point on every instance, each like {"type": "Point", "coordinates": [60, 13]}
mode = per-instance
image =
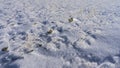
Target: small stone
{"type": "Point", "coordinates": [29, 51]}
{"type": "Point", "coordinates": [39, 45]}
{"type": "Point", "coordinates": [52, 22]}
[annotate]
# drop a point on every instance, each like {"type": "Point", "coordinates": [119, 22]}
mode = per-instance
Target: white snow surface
{"type": "Point", "coordinates": [38, 33]}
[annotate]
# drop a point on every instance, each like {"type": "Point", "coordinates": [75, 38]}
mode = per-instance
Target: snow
{"type": "Point", "coordinates": [38, 34]}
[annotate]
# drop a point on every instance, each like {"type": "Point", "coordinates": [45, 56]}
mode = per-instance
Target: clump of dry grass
{"type": "Point", "coordinates": [70, 19]}
{"type": "Point", "coordinates": [5, 49]}
{"type": "Point", "coordinates": [50, 31]}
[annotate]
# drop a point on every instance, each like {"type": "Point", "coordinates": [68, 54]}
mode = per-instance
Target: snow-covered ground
{"type": "Point", "coordinates": [59, 33]}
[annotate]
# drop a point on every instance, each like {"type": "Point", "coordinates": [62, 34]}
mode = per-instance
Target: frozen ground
{"type": "Point", "coordinates": [59, 33]}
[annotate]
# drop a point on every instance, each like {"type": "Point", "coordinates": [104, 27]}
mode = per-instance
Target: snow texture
{"type": "Point", "coordinates": [59, 33]}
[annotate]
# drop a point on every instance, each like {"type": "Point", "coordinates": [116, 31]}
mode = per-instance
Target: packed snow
{"type": "Point", "coordinates": [59, 33]}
